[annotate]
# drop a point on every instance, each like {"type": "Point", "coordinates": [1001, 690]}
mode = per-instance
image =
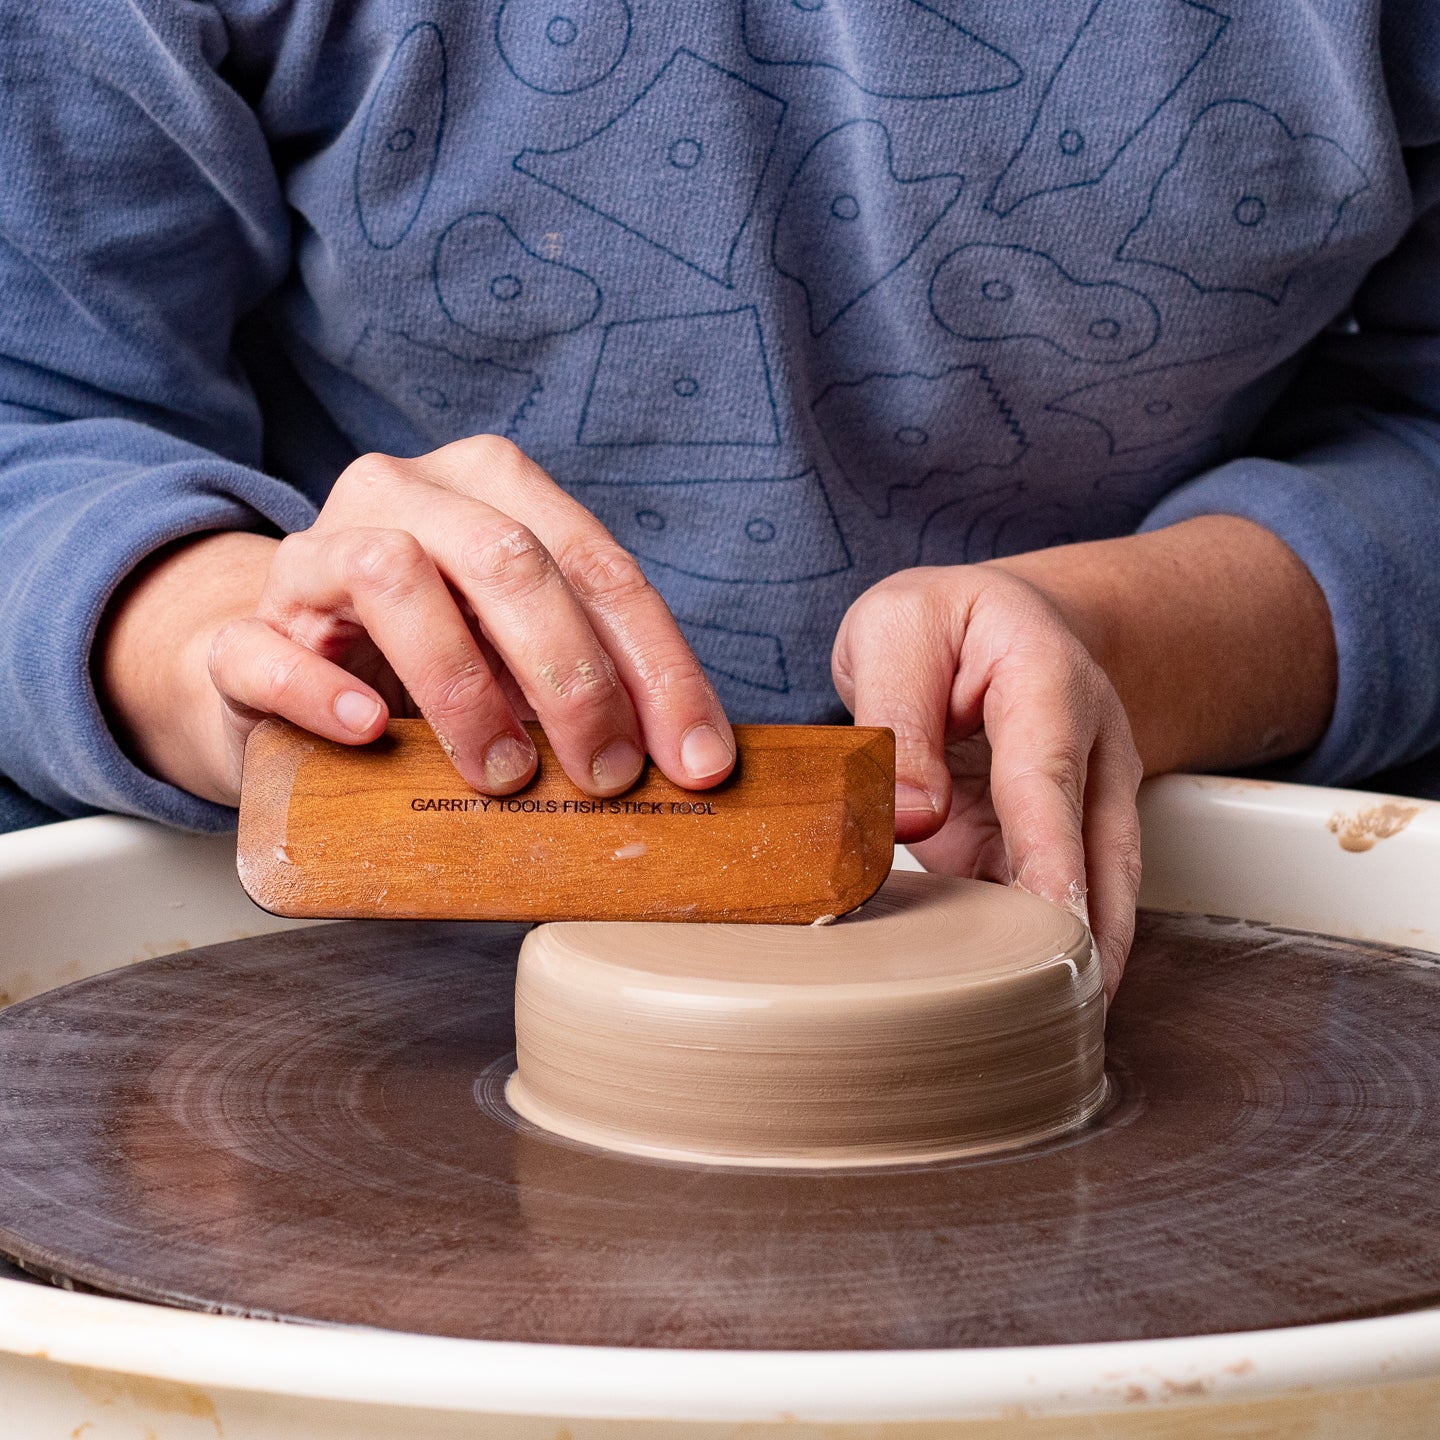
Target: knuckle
{"type": "Point", "coordinates": [907, 718]}
{"type": "Point", "coordinates": [292, 549]}
{"type": "Point", "coordinates": [381, 559]}
{"type": "Point", "coordinates": [507, 561]}
{"type": "Point", "coordinates": [283, 677]}
{"type": "Point", "coordinates": [1067, 767]}
{"type": "Point", "coordinates": [371, 472]}
{"type": "Point", "coordinates": [1062, 768]}
{"type": "Point", "coordinates": [582, 687]}
{"type": "Point", "coordinates": [498, 451]}
{"type": "Point", "coordinates": [454, 692]}
{"type": "Point", "coordinates": [292, 562]}
{"type": "Point", "coordinates": [663, 671]}
{"type": "Point", "coordinates": [900, 599]}
{"type": "Point", "coordinates": [1125, 855]}
{"type": "Point", "coordinates": [481, 465]}
{"type": "Point", "coordinates": [603, 571]}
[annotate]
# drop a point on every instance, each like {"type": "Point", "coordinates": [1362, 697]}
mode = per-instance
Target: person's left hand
{"type": "Point", "coordinates": [1014, 757]}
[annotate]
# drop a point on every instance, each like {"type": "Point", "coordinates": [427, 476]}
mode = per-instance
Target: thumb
{"type": "Point", "coordinates": [891, 672]}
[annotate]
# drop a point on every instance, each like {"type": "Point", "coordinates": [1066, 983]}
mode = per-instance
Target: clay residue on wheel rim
{"type": "Point", "coordinates": [1361, 831]}
{"type": "Point", "coordinates": [946, 1017]}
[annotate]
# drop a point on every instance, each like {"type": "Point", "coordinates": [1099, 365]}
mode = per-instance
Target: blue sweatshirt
{"type": "Point", "coordinates": [791, 293]}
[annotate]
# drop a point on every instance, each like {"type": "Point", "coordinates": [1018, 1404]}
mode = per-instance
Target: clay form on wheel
{"type": "Point", "coordinates": [945, 1017]}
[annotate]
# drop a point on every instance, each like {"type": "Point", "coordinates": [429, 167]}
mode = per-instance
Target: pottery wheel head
{"type": "Point", "coordinates": [945, 1017]}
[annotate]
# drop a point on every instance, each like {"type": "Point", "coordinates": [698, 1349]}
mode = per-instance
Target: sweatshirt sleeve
{"type": "Point", "coordinates": [1347, 473]}
{"type": "Point", "coordinates": [140, 217]}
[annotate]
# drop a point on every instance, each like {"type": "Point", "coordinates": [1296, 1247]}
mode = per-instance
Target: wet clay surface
{"type": "Point", "coordinates": [944, 1017]}
{"type": "Point", "coordinates": [310, 1125]}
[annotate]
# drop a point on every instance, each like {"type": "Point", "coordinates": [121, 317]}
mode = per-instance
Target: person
{"type": "Point", "coordinates": [1053, 384]}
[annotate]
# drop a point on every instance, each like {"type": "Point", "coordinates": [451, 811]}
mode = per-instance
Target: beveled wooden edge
{"type": "Point", "coordinates": [273, 755]}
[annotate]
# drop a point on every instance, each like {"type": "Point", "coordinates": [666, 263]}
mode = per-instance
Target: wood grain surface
{"type": "Point", "coordinates": [804, 828]}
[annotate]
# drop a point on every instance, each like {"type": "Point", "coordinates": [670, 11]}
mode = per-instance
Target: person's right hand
{"type": "Point", "coordinates": [464, 583]}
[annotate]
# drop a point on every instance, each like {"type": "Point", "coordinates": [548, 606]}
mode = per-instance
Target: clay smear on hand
{"type": "Point", "coordinates": [1360, 832]}
{"type": "Point", "coordinates": [945, 1017]}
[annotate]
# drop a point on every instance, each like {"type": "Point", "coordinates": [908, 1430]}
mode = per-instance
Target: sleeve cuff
{"type": "Point", "coordinates": [82, 546]}
{"type": "Point", "coordinates": [1362, 516]}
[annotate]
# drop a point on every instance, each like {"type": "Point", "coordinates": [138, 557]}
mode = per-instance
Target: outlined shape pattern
{"type": "Point", "coordinates": [749, 657]}
{"type": "Point", "coordinates": [489, 282]}
{"type": "Point", "coordinates": [1011, 292]}
{"type": "Point", "coordinates": [736, 532]}
{"type": "Point", "coordinates": [849, 220]}
{"type": "Point", "coordinates": [908, 50]}
{"type": "Point", "coordinates": [1013, 521]}
{"type": "Point", "coordinates": [1245, 202]}
{"type": "Point", "coordinates": [679, 168]}
{"type": "Point", "coordinates": [444, 395]}
{"type": "Point", "coordinates": [890, 433]}
{"type": "Point", "coordinates": [400, 139]}
{"type": "Point", "coordinates": [962, 529]}
{"type": "Point", "coordinates": [699, 379]}
{"type": "Point", "coordinates": [561, 47]}
{"type": "Point", "coordinates": [1164, 402]}
{"type": "Point", "coordinates": [1090, 109]}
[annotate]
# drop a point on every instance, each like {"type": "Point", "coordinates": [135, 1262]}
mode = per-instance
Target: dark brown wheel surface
{"type": "Point", "coordinates": [309, 1126]}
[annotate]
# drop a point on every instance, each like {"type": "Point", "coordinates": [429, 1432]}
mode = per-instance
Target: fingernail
{"type": "Point", "coordinates": [356, 711]}
{"type": "Point", "coordinates": [912, 800]}
{"type": "Point", "coordinates": [703, 753]}
{"type": "Point", "coordinates": [617, 765]}
{"type": "Point", "coordinates": [507, 762]}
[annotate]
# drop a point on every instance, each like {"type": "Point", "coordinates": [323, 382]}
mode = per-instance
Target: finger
{"type": "Point", "coordinates": [1112, 847]}
{"type": "Point", "coordinates": [531, 616]}
{"type": "Point", "coordinates": [885, 670]}
{"type": "Point", "coordinates": [393, 588]}
{"type": "Point", "coordinates": [1041, 729]}
{"type": "Point", "coordinates": [259, 671]}
{"type": "Point", "coordinates": [593, 648]}
{"type": "Point", "coordinates": [682, 722]}
{"type": "Point", "coordinates": [681, 718]}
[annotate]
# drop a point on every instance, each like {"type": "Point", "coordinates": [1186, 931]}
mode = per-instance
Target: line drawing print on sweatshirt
{"type": "Point", "coordinates": [697, 379]}
{"type": "Point", "coordinates": [676, 168]}
{"type": "Point", "coordinates": [849, 220]}
{"type": "Point", "coordinates": [773, 531]}
{"type": "Point", "coordinates": [1163, 402]}
{"type": "Point", "coordinates": [562, 49]}
{"type": "Point", "coordinates": [1074, 141]}
{"type": "Point", "coordinates": [444, 395]}
{"type": "Point", "coordinates": [400, 138]}
{"type": "Point", "coordinates": [1245, 202]}
{"type": "Point", "coordinates": [892, 433]}
{"type": "Point", "coordinates": [749, 657]}
{"type": "Point", "coordinates": [911, 50]}
{"type": "Point", "coordinates": [1012, 292]}
{"type": "Point", "coordinates": [489, 282]}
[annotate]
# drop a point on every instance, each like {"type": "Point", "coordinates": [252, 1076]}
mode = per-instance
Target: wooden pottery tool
{"type": "Point", "coordinates": [803, 829]}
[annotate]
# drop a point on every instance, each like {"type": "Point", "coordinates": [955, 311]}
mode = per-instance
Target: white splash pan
{"type": "Point", "coordinates": [90, 895]}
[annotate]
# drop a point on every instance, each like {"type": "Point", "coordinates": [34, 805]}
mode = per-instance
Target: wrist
{"type": "Point", "coordinates": [1212, 631]}
{"type": "Point", "coordinates": [151, 657]}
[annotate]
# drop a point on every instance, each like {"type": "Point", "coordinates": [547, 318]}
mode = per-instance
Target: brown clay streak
{"type": "Point", "coordinates": [1362, 830]}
